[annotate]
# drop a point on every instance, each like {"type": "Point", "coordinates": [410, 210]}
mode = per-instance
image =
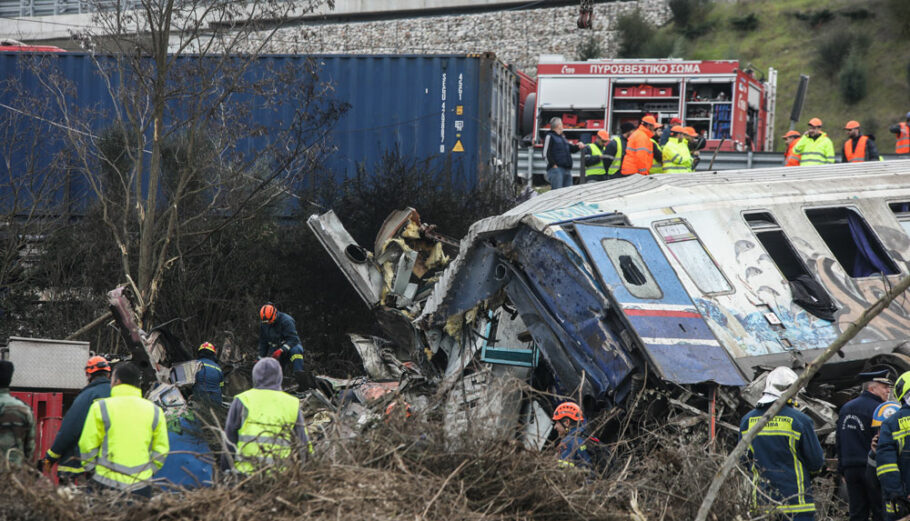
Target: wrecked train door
{"type": "Point", "coordinates": [652, 303]}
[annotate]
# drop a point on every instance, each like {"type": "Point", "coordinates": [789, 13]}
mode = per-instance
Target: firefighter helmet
{"type": "Point", "coordinates": [569, 410]}
{"type": "Point", "coordinates": [207, 346]}
{"type": "Point", "coordinates": [268, 313]}
{"type": "Point", "coordinates": [97, 363]}
{"type": "Point", "coordinates": [776, 383]}
{"type": "Point", "coordinates": [883, 411]}
{"type": "Point", "coordinates": [901, 386]}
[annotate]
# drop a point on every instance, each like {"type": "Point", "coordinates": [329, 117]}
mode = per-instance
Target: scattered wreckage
{"type": "Point", "coordinates": [692, 286]}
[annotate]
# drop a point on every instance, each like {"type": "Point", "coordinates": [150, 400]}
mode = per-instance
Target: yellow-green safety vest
{"type": "Point", "coordinates": [657, 163]}
{"type": "Point", "coordinates": [266, 434]}
{"type": "Point", "coordinates": [819, 151]}
{"type": "Point", "coordinates": [676, 155]}
{"type": "Point", "coordinates": [124, 439]}
{"type": "Point", "coordinates": [597, 169]}
{"type": "Point", "coordinates": [616, 165]}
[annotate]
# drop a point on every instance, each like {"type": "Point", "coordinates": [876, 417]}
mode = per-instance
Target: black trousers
{"type": "Point", "coordinates": [864, 494]}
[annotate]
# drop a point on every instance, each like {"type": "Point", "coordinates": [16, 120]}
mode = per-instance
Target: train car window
{"type": "Point", "coordinates": [631, 267]}
{"type": "Point", "coordinates": [902, 212]}
{"type": "Point", "coordinates": [806, 291]}
{"type": "Point", "coordinates": [852, 242]}
{"type": "Point", "coordinates": [691, 254]}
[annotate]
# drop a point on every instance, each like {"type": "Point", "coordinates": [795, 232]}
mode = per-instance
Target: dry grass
{"type": "Point", "coordinates": [392, 472]}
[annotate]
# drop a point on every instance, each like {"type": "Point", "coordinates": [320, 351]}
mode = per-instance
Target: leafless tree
{"type": "Point", "coordinates": [195, 128]}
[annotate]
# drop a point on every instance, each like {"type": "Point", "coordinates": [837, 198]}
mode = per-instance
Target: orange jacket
{"type": "Point", "coordinates": [791, 158]}
{"type": "Point", "coordinates": [639, 154]}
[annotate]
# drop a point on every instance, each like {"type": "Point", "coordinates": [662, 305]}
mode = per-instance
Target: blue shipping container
{"type": "Point", "coordinates": [457, 111]}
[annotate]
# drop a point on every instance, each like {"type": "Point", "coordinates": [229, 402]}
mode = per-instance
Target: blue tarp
{"type": "Point", "coordinates": [189, 463]}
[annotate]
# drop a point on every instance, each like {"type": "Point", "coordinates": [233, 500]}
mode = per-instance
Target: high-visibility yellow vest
{"type": "Point", "coordinates": [677, 158]}
{"type": "Point", "coordinates": [596, 169]}
{"type": "Point", "coordinates": [266, 434]}
{"type": "Point", "coordinates": [616, 165]}
{"type": "Point", "coordinates": [656, 166]}
{"type": "Point", "coordinates": [124, 439]}
{"type": "Point", "coordinates": [819, 151]}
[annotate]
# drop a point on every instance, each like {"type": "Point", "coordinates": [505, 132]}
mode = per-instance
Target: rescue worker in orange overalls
{"type": "Point", "coordinates": [790, 138]}
{"type": "Point", "coordinates": [902, 132]}
{"type": "Point", "coordinates": [639, 151]}
{"type": "Point", "coordinates": [858, 148]}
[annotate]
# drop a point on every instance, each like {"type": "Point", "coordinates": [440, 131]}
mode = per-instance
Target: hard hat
{"type": "Point", "coordinates": [393, 405]}
{"type": "Point", "coordinates": [690, 131]}
{"type": "Point", "coordinates": [603, 134]}
{"type": "Point", "coordinates": [883, 411]}
{"type": "Point", "coordinates": [901, 386]}
{"type": "Point", "coordinates": [207, 345]}
{"type": "Point", "coordinates": [777, 382]}
{"type": "Point", "coordinates": [792, 133]}
{"type": "Point", "coordinates": [675, 121]}
{"type": "Point", "coordinates": [649, 119]}
{"type": "Point", "coordinates": [569, 410]}
{"type": "Point", "coordinates": [851, 125]}
{"type": "Point", "coordinates": [268, 313]}
{"type": "Point", "coordinates": [815, 122]}
{"type": "Point", "coordinates": [97, 363]}
{"type": "Point", "coordinates": [677, 128]}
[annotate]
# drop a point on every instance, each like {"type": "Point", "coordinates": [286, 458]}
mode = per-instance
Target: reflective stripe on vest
{"type": "Point", "coordinates": [791, 158]}
{"type": "Point", "coordinates": [616, 165]}
{"type": "Point", "coordinates": [597, 169]}
{"type": "Point", "coordinates": [657, 154]}
{"type": "Point", "coordinates": [266, 433]}
{"type": "Point", "coordinates": [107, 466]}
{"type": "Point", "coordinates": [678, 157]}
{"type": "Point", "coordinates": [903, 140]}
{"type": "Point", "coordinates": [858, 155]}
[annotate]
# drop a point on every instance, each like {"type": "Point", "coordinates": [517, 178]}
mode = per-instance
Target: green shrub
{"type": "Point", "coordinates": [689, 12]}
{"type": "Point", "coordinates": [832, 49]}
{"type": "Point", "coordinates": [899, 14]}
{"type": "Point", "coordinates": [815, 18]}
{"type": "Point", "coordinates": [852, 79]}
{"type": "Point", "coordinates": [589, 48]}
{"type": "Point", "coordinates": [638, 38]}
{"type": "Point", "coordinates": [745, 23]}
{"type": "Point", "coordinates": [856, 13]}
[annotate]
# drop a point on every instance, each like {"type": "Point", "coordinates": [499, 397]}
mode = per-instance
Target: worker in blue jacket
{"type": "Point", "coordinates": [784, 455]}
{"type": "Point", "coordinates": [278, 339]}
{"type": "Point", "coordinates": [209, 377]}
{"type": "Point", "coordinates": [854, 440]}
{"type": "Point", "coordinates": [572, 438]}
{"type": "Point", "coordinates": [892, 462]}
{"type": "Point", "coordinates": [65, 448]}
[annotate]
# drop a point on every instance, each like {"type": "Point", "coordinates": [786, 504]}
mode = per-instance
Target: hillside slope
{"type": "Point", "coordinates": [783, 41]}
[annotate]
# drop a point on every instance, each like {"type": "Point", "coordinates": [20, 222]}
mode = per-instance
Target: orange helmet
{"type": "Point", "coordinates": [792, 133]}
{"type": "Point", "coordinates": [97, 363]}
{"type": "Point", "coordinates": [207, 345]}
{"type": "Point", "coordinates": [569, 410]}
{"type": "Point", "coordinates": [851, 125]}
{"type": "Point", "coordinates": [268, 313]}
{"type": "Point", "coordinates": [815, 122]}
{"type": "Point", "coordinates": [603, 134]}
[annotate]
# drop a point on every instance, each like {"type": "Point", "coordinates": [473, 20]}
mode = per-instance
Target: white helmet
{"type": "Point", "coordinates": [776, 383]}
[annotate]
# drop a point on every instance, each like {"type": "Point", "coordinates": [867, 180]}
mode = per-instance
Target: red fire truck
{"type": "Point", "coordinates": [725, 103]}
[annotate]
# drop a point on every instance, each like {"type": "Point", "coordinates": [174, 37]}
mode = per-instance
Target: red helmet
{"type": "Point", "coordinates": [268, 313]}
{"type": "Point", "coordinates": [207, 345]}
{"type": "Point", "coordinates": [569, 410]}
{"type": "Point", "coordinates": [97, 363]}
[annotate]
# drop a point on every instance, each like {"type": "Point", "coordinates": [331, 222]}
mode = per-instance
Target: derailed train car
{"type": "Point", "coordinates": [699, 279]}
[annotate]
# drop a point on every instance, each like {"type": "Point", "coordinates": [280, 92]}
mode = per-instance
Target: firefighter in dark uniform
{"type": "Point", "coordinates": [784, 455]}
{"type": "Point", "coordinates": [892, 462]}
{"type": "Point", "coordinates": [854, 439]}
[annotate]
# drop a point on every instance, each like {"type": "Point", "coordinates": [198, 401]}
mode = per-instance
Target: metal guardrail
{"type": "Point", "coordinates": [724, 161]}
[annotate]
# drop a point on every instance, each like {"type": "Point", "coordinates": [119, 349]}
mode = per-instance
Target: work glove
{"type": "Point", "coordinates": [280, 351]}
{"type": "Point", "coordinates": [45, 464]}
